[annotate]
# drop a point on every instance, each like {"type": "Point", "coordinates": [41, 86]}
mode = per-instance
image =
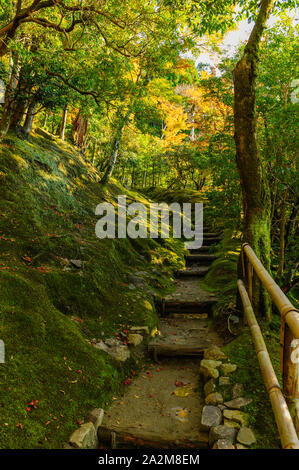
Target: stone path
{"type": "Point", "coordinates": [183, 397]}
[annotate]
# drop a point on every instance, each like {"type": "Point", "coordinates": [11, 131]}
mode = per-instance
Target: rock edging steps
{"type": "Point", "coordinates": [224, 420]}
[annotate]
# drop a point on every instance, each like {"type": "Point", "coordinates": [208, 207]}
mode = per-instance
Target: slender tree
{"type": "Point", "coordinates": [253, 178]}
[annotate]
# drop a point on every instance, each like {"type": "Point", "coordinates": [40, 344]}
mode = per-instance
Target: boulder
{"type": "Point", "coordinates": [214, 398]}
{"type": "Point", "coordinates": [77, 263]}
{"type": "Point", "coordinates": [208, 368]}
{"type": "Point", "coordinates": [238, 403]}
{"type": "Point", "coordinates": [214, 353]}
{"type": "Point", "coordinates": [209, 387]}
{"type": "Point", "coordinates": [239, 446]}
{"type": "Point", "coordinates": [96, 417]}
{"type": "Point", "coordinates": [231, 424]}
{"type": "Point", "coordinates": [245, 436]}
{"type": "Point", "coordinates": [224, 381]}
{"type": "Point", "coordinates": [228, 368]}
{"type": "Point", "coordinates": [120, 353]}
{"type": "Point", "coordinates": [102, 346]}
{"type": "Point", "coordinates": [84, 437]}
{"type": "Point", "coordinates": [211, 416]}
{"type": "Point", "coordinates": [141, 330]}
{"type": "Point", "coordinates": [135, 339]}
{"type": "Point", "coordinates": [115, 349]}
{"type": "Point", "coordinates": [223, 444]}
{"type": "Point", "coordinates": [221, 432]}
{"type": "Point", "coordinates": [235, 415]}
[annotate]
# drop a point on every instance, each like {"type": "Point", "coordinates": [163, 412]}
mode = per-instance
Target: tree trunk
{"type": "Point", "coordinates": [16, 118]}
{"type": "Point", "coordinates": [114, 151]}
{"type": "Point", "coordinates": [79, 130]}
{"type": "Point", "coordinates": [10, 93]}
{"type": "Point", "coordinates": [255, 187]}
{"type": "Point", "coordinates": [29, 117]}
{"type": "Point", "coordinates": [63, 123]}
{"type": "Point", "coordinates": [45, 119]}
{"type": "Point", "coordinates": [133, 178]}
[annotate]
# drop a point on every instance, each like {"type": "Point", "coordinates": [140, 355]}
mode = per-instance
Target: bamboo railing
{"type": "Point", "coordinates": [280, 399]}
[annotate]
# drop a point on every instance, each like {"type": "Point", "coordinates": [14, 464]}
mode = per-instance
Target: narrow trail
{"type": "Point", "coordinates": [163, 405]}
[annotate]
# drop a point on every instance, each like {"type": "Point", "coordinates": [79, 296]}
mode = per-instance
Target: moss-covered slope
{"type": "Point", "coordinates": [52, 311]}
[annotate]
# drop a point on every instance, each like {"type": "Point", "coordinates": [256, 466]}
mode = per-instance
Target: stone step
{"type": "Point", "coordinates": [122, 437]}
{"type": "Point", "coordinates": [202, 249]}
{"type": "Point", "coordinates": [170, 349]}
{"type": "Point", "coordinates": [210, 240]}
{"type": "Point", "coordinates": [192, 271]}
{"type": "Point", "coordinates": [185, 306]}
{"type": "Point", "coordinates": [202, 260]}
{"type": "Point", "coordinates": [210, 235]}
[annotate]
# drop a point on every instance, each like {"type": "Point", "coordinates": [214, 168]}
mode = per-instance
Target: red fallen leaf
{"type": "Point", "coordinates": [78, 319]}
{"type": "Point", "coordinates": [33, 403]}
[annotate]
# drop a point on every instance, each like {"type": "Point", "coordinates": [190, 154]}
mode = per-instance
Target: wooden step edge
{"type": "Point", "coordinates": [173, 349]}
{"type": "Point", "coordinates": [199, 272]}
{"type": "Point", "coordinates": [202, 249]}
{"type": "Point", "coordinates": [211, 235]}
{"type": "Point", "coordinates": [200, 257]}
{"type": "Point", "coordinates": [190, 303]}
{"type": "Point", "coordinates": [119, 436]}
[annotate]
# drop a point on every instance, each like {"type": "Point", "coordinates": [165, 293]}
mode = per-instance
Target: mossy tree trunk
{"type": "Point", "coordinates": [63, 123]}
{"type": "Point", "coordinates": [9, 106]}
{"type": "Point", "coordinates": [253, 178]}
{"type": "Point", "coordinates": [30, 117]}
{"type": "Point", "coordinates": [115, 147]}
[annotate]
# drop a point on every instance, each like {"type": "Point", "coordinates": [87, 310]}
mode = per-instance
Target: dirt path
{"type": "Point", "coordinates": [162, 406]}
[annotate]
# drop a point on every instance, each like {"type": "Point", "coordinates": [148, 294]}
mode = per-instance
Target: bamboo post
{"type": "Point", "coordinates": [250, 279]}
{"type": "Point", "coordinates": [286, 428]}
{"type": "Point", "coordinates": [289, 337]}
{"type": "Point", "coordinates": [290, 371]}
